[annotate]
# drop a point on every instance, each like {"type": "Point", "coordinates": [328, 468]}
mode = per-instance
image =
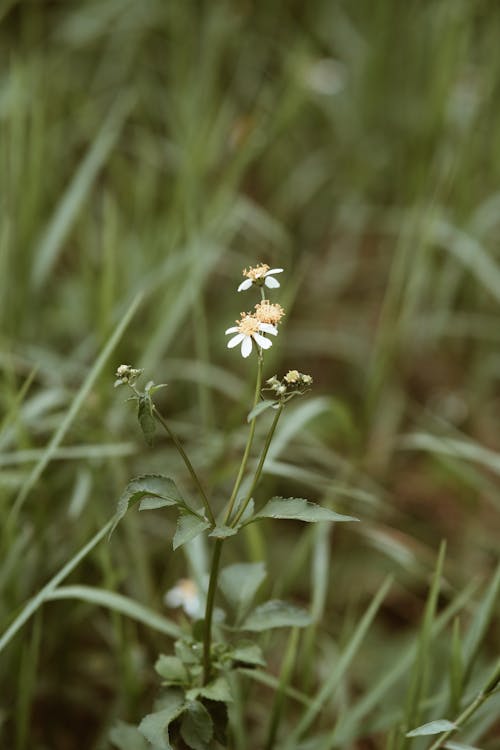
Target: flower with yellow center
{"type": "Point", "coordinates": [248, 330]}
{"type": "Point", "coordinates": [269, 312]}
{"type": "Point", "coordinates": [292, 376]}
{"type": "Point", "coordinates": [259, 275]}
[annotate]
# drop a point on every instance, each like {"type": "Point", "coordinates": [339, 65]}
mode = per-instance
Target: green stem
{"type": "Point", "coordinates": [248, 446]}
{"type": "Point", "coordinates": [258, 472]}
{"type": "Point", "coordinates": [209, 610]}
{"type": "Point", "coordinates": [188, 463]}
{"type": "Point", "coordinates": [478, 701]}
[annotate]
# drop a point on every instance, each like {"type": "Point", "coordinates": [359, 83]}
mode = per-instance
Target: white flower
{"type": "Point", "coordinates": [248, 330]}
{"type": "Point", "coordinates": [260, 275]}
{"type": "Point", "coordinates": [185, 594]}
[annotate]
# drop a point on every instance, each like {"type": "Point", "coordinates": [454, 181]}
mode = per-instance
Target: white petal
{"type": "Point", "coordinates": [262, 341]}
{"type": "Point", "coordinates": [268, 328]}
{"type": "Point", "coordinates": [235, 340]}
{"type": "Point", "coordinates": [173, 598]}
{"type": "Point", "coordinates": [271, 282]}
{"type": "Point", "coordinates": [245, 285]}
{"type": "Point", "coordinates": [233, 329]}
{"type": "Point", "coordinates": [246, 346]}
{"type": "Point", "coordinates": [273, 270]}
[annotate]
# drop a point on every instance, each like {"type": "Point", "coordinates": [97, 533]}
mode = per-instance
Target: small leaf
{"type": "Point", "coordinates": [276, 614]}
{"type": "Point", "coordinates": [154, 726]}
{"type": "Point", "coordinates": [222, 532]}
{"type": "Point", "coordinates": [433, 727]}
{"type": "Point", "coordinates": [171, 669]}
{"type": "Point", "coordinates": [127, 737]}
{"type": "Point", "coordinates": [247, 653]}
{"type": "Point", "coordinates": [261, 407]}
{"type": "Point", "coordinates": [147, 486]}
{"type": "Point", "coordinates": [196, 726]}
{"type": "Point", "coordinates": [239, 584]}
{"type": "Point", "coordinates": [299, 509]}
{"type": "Point", "coordinates": [146, 419]}
{"type": "Point", "coordinates": [217, 690]}
{"type": "Point", "coordinates": [188, 527]}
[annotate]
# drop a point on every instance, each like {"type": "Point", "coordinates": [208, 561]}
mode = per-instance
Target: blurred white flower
{"type": "Point", "coordinates": [185, 594]}
{"type": "Point", "coordinates": [260, 275]}
{"type": "Point", "coordinates": [248, 330]}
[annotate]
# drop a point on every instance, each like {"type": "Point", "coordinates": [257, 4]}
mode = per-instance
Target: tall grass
{"type": "Point", "coordinates": [153, 149]}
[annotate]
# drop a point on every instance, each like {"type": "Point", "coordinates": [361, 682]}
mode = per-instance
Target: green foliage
{"type": "Point", "coordinates": [148, 154]}
{"type": "Point", "coordinates": [275, 614]}
{"type": "Point", "coordinates": [155, 490]}
{"type": "Point", "coordinates": [432, 727]}
{"type": "Point", "coordinates": [296, 508]}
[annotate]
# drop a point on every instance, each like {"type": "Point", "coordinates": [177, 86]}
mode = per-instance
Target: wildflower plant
{"type": "Point", "coordinates": [197, 678]}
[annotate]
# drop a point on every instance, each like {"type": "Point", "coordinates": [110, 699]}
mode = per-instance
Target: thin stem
{"type": "Point", "coordinates": [478, 701]}
{"type": "Point", "coordinates": [259, 467]}
{"type": "Point", "coordinates": [248, 446]}
{"type": "Point", "coordinates": [188, 463]}
{"type": "Point", "coordinates": [209, 610]}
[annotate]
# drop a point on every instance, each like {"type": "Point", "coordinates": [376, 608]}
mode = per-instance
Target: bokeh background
{"type": "Point", "coordinates": [157, 148]}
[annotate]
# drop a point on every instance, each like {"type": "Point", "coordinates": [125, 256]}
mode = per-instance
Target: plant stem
{"type": "Point", "coordinates": [478, 701]}
{"type": "Point", "coordinates": [259, 467]}
{"type": "Point", "coordinates": [188, 463]}
{"type": "Point", "coordinates": [209, 610]}
{"type": "Point", "coordinates": [248, 446]}
{"type": "Point", "coordinates": [214, 570]}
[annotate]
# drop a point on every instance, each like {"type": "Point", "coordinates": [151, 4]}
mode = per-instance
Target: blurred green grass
{"type": "Point", "coordinates": [157, 148]}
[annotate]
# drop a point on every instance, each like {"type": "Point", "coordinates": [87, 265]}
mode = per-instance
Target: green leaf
{"type": "Point", "coordinates": [299, 509]}
{"type": "Point", "coordinates": [127, 737]}
{"type": "Point", "coordinates": [261, 407]}
{"type": "Point", "coordinates": [276, 614]}
{"type": "Point", "coordinates": [188, 527]}
{"type": "Point", "coordinates": [222, 532]}
{"type": "Point", "coordinates": [150, 486]}
{"type": "Point", "coordinates": [196, 726]}
{"type": "Point", "coordinates": [247, 653]}
{"type": "Point", "coordinates": [171, 669]}
{"type": "Point", "coordinates": [154, 726]}
{"type": "Point", "coordinates": [218, 713]}
{"type": "Point", "coordinates": [239, 584]}
{"type": "Point", "coordinates": [146, 419]}
{"type": "Point", "coordinates": [459, 746]}
{"type": "Point", "coordinates": [217, 690]}
{"type": "Point", "coordinates": [433, 727]}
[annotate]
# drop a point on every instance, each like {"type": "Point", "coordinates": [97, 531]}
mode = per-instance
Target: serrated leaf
{"type": "Point", "coordinates": [299, 509]}
{"type": "Point", "coordinates": [196, 726]}
{"type": "Point", "coordinates": [261, 407]}
{"type": "Point", "coordinates": [276, 614]}
{"type": "Point", "coordinates": [188, 527]}
{"type": "Point", "coordinates": [239, 584]}
{"type": "Point", "coordinates": [147, 486]}
{"type": "Point", "coordinates": [247, 653]}
{"type": "Point", "coordinates": [433, 727]}
{"type": "Point", "coordinates": [223, 532]}
{"type": "Point", "coordinates": [171, 669]}
{"type": "Point", "coordinates": [127, 737]}
{"type": "Point", "coordinates": [146, 419]}
{"type": "Point", "coordinates": [154, 726]}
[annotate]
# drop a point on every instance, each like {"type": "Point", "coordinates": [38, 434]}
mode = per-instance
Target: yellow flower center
{"type": "Point", "coordinates": [292, 376]}
{"type": "Point", "coordinates": [269, 312]}
{"type": "Point", "coordinates": [248, 324]}
{"type": "Point", "coordinates": [256, 272]}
